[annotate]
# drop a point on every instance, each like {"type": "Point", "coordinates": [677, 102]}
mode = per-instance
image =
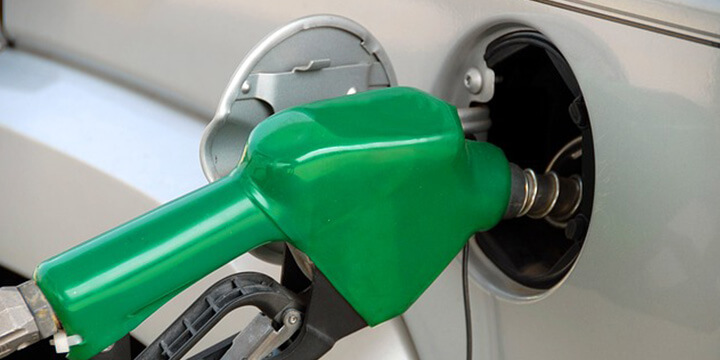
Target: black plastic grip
{"type": "Point", "coordinates": [230, 293]}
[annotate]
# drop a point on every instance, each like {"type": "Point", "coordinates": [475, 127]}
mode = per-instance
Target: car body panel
{"type": "Point", "coordinates": [644, 285]}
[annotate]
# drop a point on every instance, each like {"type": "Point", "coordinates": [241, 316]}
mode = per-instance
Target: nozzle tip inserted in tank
{"type": "Point", "coordinates": [543, 196]}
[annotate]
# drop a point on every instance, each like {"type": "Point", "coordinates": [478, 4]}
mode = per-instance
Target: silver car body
{"type": "Point", "coordinates": [102, 106]}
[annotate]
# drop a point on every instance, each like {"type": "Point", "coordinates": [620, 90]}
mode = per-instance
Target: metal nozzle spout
{"type": "Point", "coordinates": [546, 196]}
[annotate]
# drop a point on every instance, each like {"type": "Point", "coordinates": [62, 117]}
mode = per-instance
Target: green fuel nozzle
{"type": "Point", "coordinates": [381, 190]}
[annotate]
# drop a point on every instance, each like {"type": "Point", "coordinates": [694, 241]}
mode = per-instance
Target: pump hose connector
{"type": "Point", "coordinates": [548, 196]}
{"type": "Point", "coordinates": [25, 317]}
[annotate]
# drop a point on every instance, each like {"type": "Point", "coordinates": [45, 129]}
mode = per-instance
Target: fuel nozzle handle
{"type": "Point", "coordinates": [380, 190]}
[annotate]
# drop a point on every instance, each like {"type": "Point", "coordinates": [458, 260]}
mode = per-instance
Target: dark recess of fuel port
{"type": "Point", "coordinates": [537, 108]}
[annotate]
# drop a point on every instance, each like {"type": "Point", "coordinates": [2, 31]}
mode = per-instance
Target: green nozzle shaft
{"type": "Point", "coordinates": [108, 285]}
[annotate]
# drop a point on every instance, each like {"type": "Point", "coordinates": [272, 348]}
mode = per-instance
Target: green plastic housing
{"type": "Point", "coordinates": [380, 189]}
